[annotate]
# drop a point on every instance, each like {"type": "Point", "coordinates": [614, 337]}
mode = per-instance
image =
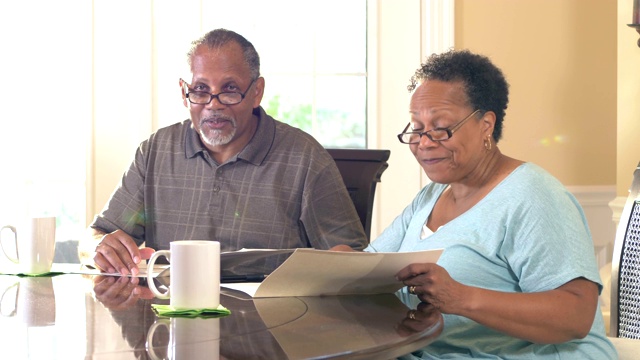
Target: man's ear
{"type": "Point", "coordinates": [258, 92]}
{"type": "Point", "coordinates": [183, 86]}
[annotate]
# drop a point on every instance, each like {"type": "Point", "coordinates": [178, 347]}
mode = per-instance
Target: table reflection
{"type": "Point", "coordinates": [185, 339]}
{"type": "Point", "coordinates": [111, 318]}
{"type": "Point", "coordinates": [31, 300]}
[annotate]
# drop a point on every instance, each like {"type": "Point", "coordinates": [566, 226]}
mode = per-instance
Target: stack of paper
{"type": "Point", "coordinates": [309, 272]}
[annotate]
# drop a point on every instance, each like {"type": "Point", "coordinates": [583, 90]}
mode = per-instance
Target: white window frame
{"type": "Point", "coordinates": [413, 30]}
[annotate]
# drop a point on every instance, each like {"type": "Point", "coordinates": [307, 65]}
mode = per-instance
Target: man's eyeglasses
{"type": "Point", "coordinates": [437, 134]}
{"type": "Point", "coordinates": [225, 97]}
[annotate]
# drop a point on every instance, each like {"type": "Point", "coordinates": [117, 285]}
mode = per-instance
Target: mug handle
{"type": "Point", "coordinates": [15, 238]}
{"type": "Point", "coordinates": [15, 302]}
{"type": "Point", "coordinates": [150, 263]}
{"type": "Point", "coordinates": [152, 330]}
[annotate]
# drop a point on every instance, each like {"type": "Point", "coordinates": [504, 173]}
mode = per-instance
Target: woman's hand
{"type": "Point", "coordinates": [420, 319]}
{"type": "Point", "coordinates": [433, 285]}
{"type": "Point", "coordinates": [546, 317]}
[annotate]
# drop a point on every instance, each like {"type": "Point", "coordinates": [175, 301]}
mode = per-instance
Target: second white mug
{"type": "Point", "coordinates": [35, 240]}
{"type": "Point", "coordinates": [194, 274]}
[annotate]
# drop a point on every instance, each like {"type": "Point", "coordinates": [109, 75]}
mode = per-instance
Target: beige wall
{"type": "Point", "coordinates": [560, 60]}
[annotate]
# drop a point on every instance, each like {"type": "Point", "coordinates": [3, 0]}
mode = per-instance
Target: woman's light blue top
{"type": "Point", "coordinates": [529, 234]}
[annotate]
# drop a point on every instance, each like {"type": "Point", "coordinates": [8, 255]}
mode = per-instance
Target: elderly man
{"type": "Point", "coordinates": [230, 173]}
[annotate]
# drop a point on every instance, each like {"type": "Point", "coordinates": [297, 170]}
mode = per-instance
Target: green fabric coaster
{"type": "Point", "coordinates": [52, 273]}
{"type": "Point", "coordinates": [169, 311]}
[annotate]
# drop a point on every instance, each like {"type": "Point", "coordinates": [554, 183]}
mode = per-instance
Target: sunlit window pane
{"type": "Point", "coordinates": [45, 124]}
{"type": "Point", "coordinates": [341, 111]}
{"type": "Point", "coordinates": [335, 117]}
{"type": "Point", "coordinates": [340, 37]}
{"type": "Point", "coordinates": [314, 62]}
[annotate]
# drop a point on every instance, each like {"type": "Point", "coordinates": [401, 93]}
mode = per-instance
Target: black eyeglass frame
{"type": "Point", "coordinates": [449, 131]}
{"type": "Point", "coordinates": [216, 96]}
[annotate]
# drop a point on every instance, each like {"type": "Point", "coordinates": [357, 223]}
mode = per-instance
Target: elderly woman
{"type": "Point", "coordinates": [518, 277]}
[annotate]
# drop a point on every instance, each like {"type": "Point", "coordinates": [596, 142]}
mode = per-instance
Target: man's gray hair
{"type": "Point", "coordinates": [217, 38]}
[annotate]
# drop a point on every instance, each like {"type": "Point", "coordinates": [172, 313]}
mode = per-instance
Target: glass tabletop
{"type": "Point", "coordinates": [75, 316]}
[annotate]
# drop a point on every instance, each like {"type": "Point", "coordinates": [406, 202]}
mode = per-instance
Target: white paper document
{"type": "Point", "coordinates": [309, 272]}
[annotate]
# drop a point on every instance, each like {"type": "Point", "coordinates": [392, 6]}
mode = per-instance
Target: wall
{"type": "Point", "coordinates": [560, 60]}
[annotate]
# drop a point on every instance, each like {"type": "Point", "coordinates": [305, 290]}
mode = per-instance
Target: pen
{"type": "Point", "coordinates": [242, 278]}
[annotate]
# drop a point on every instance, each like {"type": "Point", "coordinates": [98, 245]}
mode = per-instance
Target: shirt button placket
{"type": "Point", "coordinates": [216, 185]}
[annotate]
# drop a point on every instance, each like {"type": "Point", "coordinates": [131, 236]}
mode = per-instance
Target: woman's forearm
{"type": "Point", "coordinates": [554, 316]}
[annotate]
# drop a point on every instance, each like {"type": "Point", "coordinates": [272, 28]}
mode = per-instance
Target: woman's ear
{"type": "Point", "coordinates": [488, 122]}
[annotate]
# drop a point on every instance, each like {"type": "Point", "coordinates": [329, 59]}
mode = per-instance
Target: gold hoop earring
{"type": "Point", "coordinates": [487, 143]}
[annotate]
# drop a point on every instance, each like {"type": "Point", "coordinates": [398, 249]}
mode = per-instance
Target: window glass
{"type": "Point", "coordinates": [324, 106]}
{"type": "Point", "coordinates": [313, 58]}
{"type": "Point", "coordinates": [46, 113]}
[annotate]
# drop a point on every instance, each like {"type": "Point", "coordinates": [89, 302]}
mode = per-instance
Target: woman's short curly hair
{"type": "Point", "coordinates": [485, 85]}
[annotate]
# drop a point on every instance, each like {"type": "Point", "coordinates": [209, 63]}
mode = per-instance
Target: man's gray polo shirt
{"type": "Point", "coordinates": [283, 190]}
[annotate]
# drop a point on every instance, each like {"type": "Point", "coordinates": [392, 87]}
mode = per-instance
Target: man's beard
{"type": "Point", "coordinates": [217, 137]}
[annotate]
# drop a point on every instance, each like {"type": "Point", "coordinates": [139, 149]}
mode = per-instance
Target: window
{"type": "Point", "coordinates": [313, 58]}
{"type": "Point", "coordinates": [46, 113]}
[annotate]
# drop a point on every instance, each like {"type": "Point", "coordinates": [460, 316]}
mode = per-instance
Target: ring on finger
{"type": "Point", "coordinates": [412, 289]}
{"type": "Point", "coordinates": [412, 314]}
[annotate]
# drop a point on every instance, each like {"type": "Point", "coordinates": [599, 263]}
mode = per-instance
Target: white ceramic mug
{"type": "Point", "coordinates": [34, 302]}
{"type": "Point", "coordinates": [35, 241]}
{"type": "Point", "coordinates": [192, 339]}
{"type": "Point", "coordinates": [194, 274]}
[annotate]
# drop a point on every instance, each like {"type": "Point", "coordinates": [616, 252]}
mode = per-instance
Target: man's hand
{"type": "Point", "coordinates": [345, 248]}
{"type": "Point", "coordinates": [119, 293]}
{"type": "Point", "coordinates": [117, 252]}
